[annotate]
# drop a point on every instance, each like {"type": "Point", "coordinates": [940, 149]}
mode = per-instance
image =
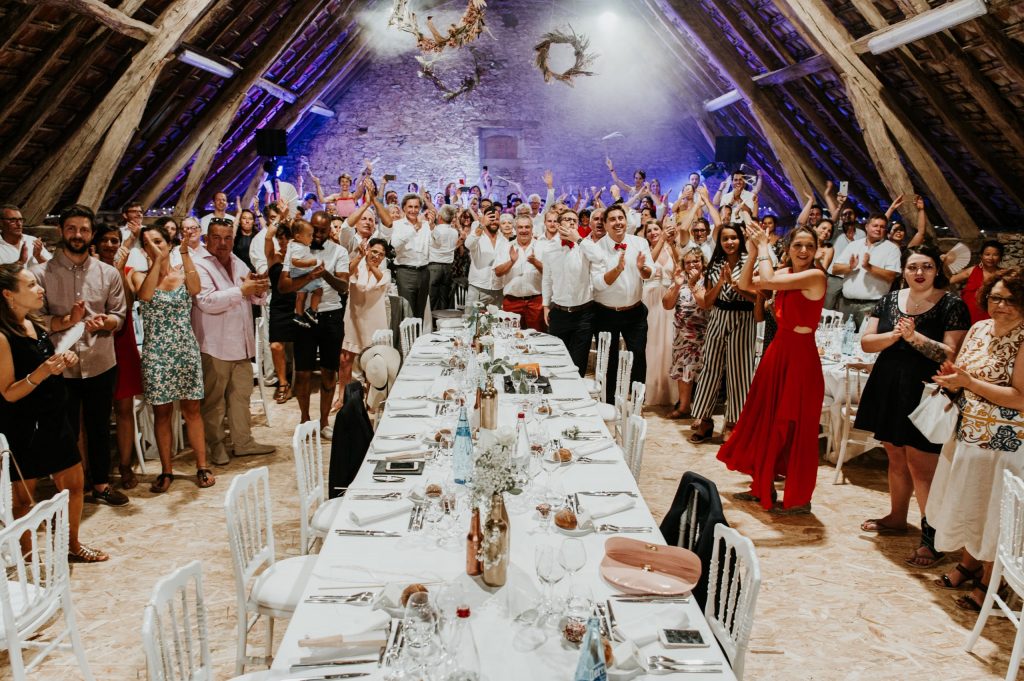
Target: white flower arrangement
{"type": "Point", "coordinates": [492, 467]}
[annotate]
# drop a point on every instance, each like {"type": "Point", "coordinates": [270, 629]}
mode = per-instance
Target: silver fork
{"type": "Point", "coordinates": [624, 529]}
{"type": "Point", "coordinates": [389, 496]}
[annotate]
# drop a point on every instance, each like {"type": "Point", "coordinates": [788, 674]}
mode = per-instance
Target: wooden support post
{"type": "Point", "coordinates": [204, 159]}
{"type": "Point", "coordinates": [38, 193]}
{"type": "Point", "coordinates": [874, 108]}
{"type": "Point", "coordinates": [106, 15]}
{"type": "Point", "coordinates": [262, 58]}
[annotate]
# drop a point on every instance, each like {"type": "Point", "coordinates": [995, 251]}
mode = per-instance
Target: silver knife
{"type": "Point", "coordinates": [330, 663]}
{"type": "Point", "coordinates": [366, 533]}
{"type": "Point", "coordinates": [612, 625]}
{"type": "Point", "coordinates": [608, 494]}
{"type": "Point", "coordinates": [323, 677]}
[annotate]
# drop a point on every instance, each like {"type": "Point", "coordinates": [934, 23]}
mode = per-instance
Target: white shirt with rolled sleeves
{"type": "Point", "coordinates": [11, 253]}
{"type": "Point", "coordinates": [859, 284]}
{"type": "Point", "coordinates": [334, 259]}
{"type": "Point", "coordinates": [443, 239]}
{"type": "Point", "coordinates": [628, 287]}
{"type": "Point", "coordinates": [482, 254]}
{"type": "Point", "coordinates": [538, 219]}
{"type": "Point", "coordinates": [523, 280]}
{"type": "Point", "coordinates": [566, 278]}
{"type": "Point", "coordinates": [412, 246]}
{"type": "Point", "coordinates": [746, 198]}
{"type": "Point", "coordinates": [221, 315]}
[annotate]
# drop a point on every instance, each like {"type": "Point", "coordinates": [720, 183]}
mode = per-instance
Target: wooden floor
{"type": "Point", "coordinates": [835, 603]}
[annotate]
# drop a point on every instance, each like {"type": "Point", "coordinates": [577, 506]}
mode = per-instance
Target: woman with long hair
{"type": "Point", "coordinates": [976, 276]}
{"type": "Point", "coordinates": [730, 336]}
{"type": "Point", "coordinates": [660, 330]}
{"type": "Point", "coordinates": [34, 410]}
{"type": "Point", "coordinates": [690, 324]}
{"type": "Point", "coordinates": [107, 243]}
{"type": "Point", "coordinates": [777, 433]}
{"type": "Point", "coordinates": [245, 231]}
{"type": "Point", "coordinates": [914, 331]}
{"type": "Point", "coordinates": [171, 366]}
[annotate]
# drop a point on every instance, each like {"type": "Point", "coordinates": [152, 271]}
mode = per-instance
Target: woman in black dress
{"type": "Point", "coordinates": [33, 403]}
{"type": "Point", "coordinates": [914, 330]}
{"type": "Point", "coordinates": [282, 307]}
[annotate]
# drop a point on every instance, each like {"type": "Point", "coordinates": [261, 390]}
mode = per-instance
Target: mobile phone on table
{"type": "Point", "coordinates": [844, 188]}
{"type": "Point", "coordinates": [682, 638]}
{"type": "Point", "coordinates": [402, 466]}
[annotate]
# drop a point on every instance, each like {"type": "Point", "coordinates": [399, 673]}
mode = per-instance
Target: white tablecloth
{"type": "Point", "coordinates": [835, 388]}
{"type": "Point", "coordinates": [357, 561]}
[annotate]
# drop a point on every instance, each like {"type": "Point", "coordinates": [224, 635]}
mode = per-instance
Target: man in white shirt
{"type": "Point", "coordinates": [410, 238]}
{"type": "Point", "coordinates": [738, 197]}
{"type": "Point", "coordinates": [520, 270]}
{"type": "Point", "coordinates": [536, 211]}
{"type": "Point", "coordinates": [220, 207]}
{"type": "Point", "coordinates": [15, 245]}
{"type": "Point", "coordinates": [566, 291]}
{"type": "Point", "coordinates": [484, 243]}
{"type": "Point", "coordinates": [443, 239]}
{"type": "Point", "coordinates": [621, 264]}
{"type": "Point", "coordinates": [700, 237]}
{"type": "Point", "coordinates": [132, 214]}
{"type": "Point", "coordinates": [868, 266]}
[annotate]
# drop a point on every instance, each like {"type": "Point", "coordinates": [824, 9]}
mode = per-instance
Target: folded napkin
{"type": "Point", "coordinates": [564, 371]}
{"type": "Point", "coordinates": [405, 405]}
{"type": "Point", "coordinates": [414, 455]}
{"type": "Point", "coordinates": [350, 630]}
{"type": "Point", "coordinates": [582, 403]}
{"type": "Point", "coordinates": [382, 446]}
{"type": "Point", "coordinates": [602, 507]}
{"type": "Point", "coordinates": [382, 512]}
{"type": "Point", "coordinates": [644, 629]}
{"type": "Point", "coordinates": [588, 448]}
{"type": "Point", "coordinates": [430, 352]}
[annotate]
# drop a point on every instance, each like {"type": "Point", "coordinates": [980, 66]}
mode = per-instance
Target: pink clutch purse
{"type": "Point", "coordinates": [639, 567]}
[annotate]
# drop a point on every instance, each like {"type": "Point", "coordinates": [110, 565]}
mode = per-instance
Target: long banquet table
{"type": "Point", "coordinates": [368, 562]}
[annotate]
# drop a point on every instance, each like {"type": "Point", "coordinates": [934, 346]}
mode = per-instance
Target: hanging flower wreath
{"type": "Point", "coordinates": [469, 28]}
{"type": "Point", "coordinates": [580, 45]}
{"type": "Point", "coordinates": [469, 83]}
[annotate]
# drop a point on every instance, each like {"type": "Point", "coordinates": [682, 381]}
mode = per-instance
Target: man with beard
{"type": "Point", "coordinates": [324, 340]}
{"type": "Point", "coordinates": [484, 242]}
{"type": "Point", "coordinates": [621, 265]}
{"type": "Point", "coordinates": [80, 288]}
{"type": "Point", "coordinates": [410, 238]}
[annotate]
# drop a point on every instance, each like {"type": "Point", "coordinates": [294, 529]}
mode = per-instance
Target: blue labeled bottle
{"type": "Point", "coordinates": [462, 454]}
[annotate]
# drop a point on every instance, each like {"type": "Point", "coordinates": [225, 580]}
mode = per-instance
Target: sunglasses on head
{"type": "Point", "coordinates": [221, 221]}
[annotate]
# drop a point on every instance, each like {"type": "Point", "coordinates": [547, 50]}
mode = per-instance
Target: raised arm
{"type": "Point", "coordinates": [801, 219]}
{"type": "Point", "coordinates": [615, 178]}
{"type": "Point", "coordinates": [922, 223]}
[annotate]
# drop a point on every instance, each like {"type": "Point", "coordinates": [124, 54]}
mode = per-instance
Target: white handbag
{"type": "Point", "coordinates": [936, 415]}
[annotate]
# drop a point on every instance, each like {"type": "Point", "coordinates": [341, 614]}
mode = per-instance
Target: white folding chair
{"type": "Point", "coordinates": [257, 368]}
{"type": "Point", "coordinates": [383, 337]}
{"type": "Point", "coordinates": [734, 578]}
{"type": "Point", "coordinates": [856, 377]}
{"type": "Point", "coordinates": [6, 493]}
{"type": "Point", "coordinates": [276, 585]}
{"type": "Point", "coordinates": [595, 385]}
{"type": "Point", "coordinates": [831, 318]}
{"type": "Point", "coordinates": [316, 511]}
{"type": "Point", "coordinates": [37, 586]}
{"type": "Point", "coordinates": [410, 329]}
{"type": "Point", "coordinates": [145, 433]}
{"type": "Point", "coordinates": [459, 296]}
{"type": "Point", "coordinates": [635, 438]}
{"type": "Point", "coordinates": [1008, 565]}
{"type": "Point", "coordinates": [174, 633]}
{"type": "Point", "coordinates": [612, 414]}
{"type": "Point", "coordinates": [758, 342]}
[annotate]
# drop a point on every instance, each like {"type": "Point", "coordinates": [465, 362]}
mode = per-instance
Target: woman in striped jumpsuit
{"type": "Point", "coordinates": [730, 337]}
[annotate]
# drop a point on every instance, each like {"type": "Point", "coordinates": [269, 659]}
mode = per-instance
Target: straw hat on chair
{"type": "Point", "coordinates": [380, 365]}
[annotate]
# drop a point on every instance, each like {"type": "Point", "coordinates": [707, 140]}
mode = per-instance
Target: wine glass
{"type": "Point", "coordinates": [573, 557]}
{"type": "Point", "coordinates": [420, 624]}
{"type": "Point", "coordinates": [550, 572]}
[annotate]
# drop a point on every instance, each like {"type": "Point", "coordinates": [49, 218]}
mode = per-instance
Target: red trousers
{"type": "Point", "coordinates": [530, 310]}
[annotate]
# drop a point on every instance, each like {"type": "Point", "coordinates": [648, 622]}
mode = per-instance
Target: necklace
{"type": "Point", "coordinates": [914, 305]}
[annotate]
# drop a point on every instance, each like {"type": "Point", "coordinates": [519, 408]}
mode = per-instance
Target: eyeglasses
{"type": "Point", "coordinates": [923, 269]}
{"type": "Point", "coordinates": [13, 219]}
{"type": "Point", "coordinates": [221, 221]}
{"type": "Point", "coordinates": [1000, 300]}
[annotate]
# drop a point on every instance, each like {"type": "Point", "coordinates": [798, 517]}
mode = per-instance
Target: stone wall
{"type": "Point", "coordinates": [392, 114]}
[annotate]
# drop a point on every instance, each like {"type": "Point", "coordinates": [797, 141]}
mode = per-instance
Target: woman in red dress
{"type": "Point", "coordinates": [976, 276]}
{"type": "Point", "coordinates": [777, 432]}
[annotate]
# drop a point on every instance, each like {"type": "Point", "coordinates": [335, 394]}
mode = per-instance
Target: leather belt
{"type": "Point", "coordinates": [411, 267]}
{"type": "Point", "coordinates": [619, 309]}
{"type": "Point", "coordinates": [570, 309]}
{"type": "Point", "coordinates": [510, 297]}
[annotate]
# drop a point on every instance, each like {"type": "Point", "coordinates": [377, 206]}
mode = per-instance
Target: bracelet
{"type": "Point", "coordinates": [28, 377]}
{"type": "Point", "coordinates": [190, 272]}
{"type": "Point", "coordinates": [763, 257]}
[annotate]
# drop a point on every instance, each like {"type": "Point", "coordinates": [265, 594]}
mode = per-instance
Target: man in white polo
{"type": "Point", "coordinates": [520, 269]}
{"type": "Point", "coordinates": [868, 266]}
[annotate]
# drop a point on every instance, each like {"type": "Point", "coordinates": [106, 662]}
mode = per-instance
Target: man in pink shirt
{"type": "Point", "coordinates": [222, 319]}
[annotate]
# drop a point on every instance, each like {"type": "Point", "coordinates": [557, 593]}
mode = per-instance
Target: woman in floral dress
{"type": "Point", "coordinates": [171, 367]}
{"type": "Point", "coordinates": [690, 322]}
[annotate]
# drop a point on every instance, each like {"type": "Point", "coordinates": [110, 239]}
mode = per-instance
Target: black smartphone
{"type": "Point", "coordinates": [682, 638]}
{"type": "Point", "coordinates": [390, 178]}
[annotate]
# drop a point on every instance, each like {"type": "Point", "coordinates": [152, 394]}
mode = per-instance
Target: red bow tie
{"type": "Point", "coordinates": [620, 247]}
{"type": "Point", "coordinates": [570, 244]}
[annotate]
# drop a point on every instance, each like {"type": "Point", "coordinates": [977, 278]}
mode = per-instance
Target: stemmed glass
{"type": "Point", "coordinates": [420, 628]}
{"type": "Point", "coordinates": [550, 572]}
{"type": "Point", "coordinates": [572, 555]}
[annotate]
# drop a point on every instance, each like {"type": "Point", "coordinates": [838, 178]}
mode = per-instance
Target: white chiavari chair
{"type": "Point", "coordinates": [734, 580]}
{"type": "Point", "coordinates": [595, 386]}
{"type": "Point", "coordinates": [258, 368]}
{"type": "Point", "coordinates": [410, 329]}
{"type": "Point", "coordinates": [383, 337]}
{"type": "Point", "coordinates": [635, 438]}
{"type": "Point", "coordinates": [856, 377]}
{"type": "Point", "coordinates": [612, 414]}
{"type": "Point", "coordinates": [316, 512]}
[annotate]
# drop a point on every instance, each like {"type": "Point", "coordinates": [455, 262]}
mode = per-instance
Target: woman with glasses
{"type": "Point", "coordinates": [988, 378]}
{"type": "Point", "coordinates": [913, 330]}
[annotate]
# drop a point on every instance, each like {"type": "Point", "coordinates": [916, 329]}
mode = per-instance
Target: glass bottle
{"type": "Point", "coordinates": [462, 450]}
{"type": "Point", "coordinates": [473, 541]}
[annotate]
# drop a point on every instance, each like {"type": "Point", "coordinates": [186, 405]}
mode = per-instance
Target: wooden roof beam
{"type": "Point", "coordinates": [105, 14]}
{"type": "Point", "coordinates": [818, 62]}
{"type": "Point", "coordinates": [13, 22]}
{"type": "Point", "coordinates": [38, 193]}
{"type": "Point", "coordinates": [231, 96]}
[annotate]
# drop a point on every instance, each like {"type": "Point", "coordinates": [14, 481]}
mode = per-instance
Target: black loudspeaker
{"type": "Point", "coordinates": [731, 150]}
{"type": "Point", "coordinates": [271, 142]}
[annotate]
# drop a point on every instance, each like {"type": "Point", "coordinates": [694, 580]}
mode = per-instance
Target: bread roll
{"type": "Point", "coordinates": [409, 591]}
{"type": "Point", "coordinates": [566, 519]}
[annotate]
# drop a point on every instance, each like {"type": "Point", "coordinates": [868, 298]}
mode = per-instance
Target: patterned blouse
{"type": "Point", "coordinates": [727, 294]}
{"type": "Point", "coordinates": [991, 359]}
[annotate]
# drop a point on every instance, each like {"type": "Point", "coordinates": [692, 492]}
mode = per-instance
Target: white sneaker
{"type": "Point", "coordinates": [326, 432]}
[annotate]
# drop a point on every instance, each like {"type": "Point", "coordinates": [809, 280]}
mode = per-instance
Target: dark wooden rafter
{"type": "Point", "coordinates": [110, 17]}
{"type": "Point", "coordinates": [230, 96]}
{"type": "Point", "coordinates": [14, 21]}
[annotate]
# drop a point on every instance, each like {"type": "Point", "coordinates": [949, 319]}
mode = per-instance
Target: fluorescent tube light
{"type": "Point", "coordinates": [321, 110]}
{"type": "Point", "coordinates": [927, 23]}
{"type": "Point", "coordinates": [201, 61]}
{"type": "Point", "coordinates": [723, 101]}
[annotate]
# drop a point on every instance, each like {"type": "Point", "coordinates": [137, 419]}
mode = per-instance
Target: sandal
{"type": "Point", "coordinates": [159, 486]}
{"type": "Point", "coordinates": [967, 602]}
{"type": "Point", "coordinates": [128, 477]}
{"type": "Point", "coordinates": [968, 577]}
{"type": "Point", "coordinates": [204, 478]}
{"type": "Point", "coordinates": [727, 432]}
{"type": "Point", "coordinates": [677, 414]}
{"type": "Point", "coordinates": [283, 393]}
{"type": "Point", "coordinates": [84, 554]}
{"type": "Point", "coordinates": [701, 434]}
{"type": "Point", "coordinates": [778, 509]}
{"type": "Point", "coordinates": [745, 496]}
{"type": "Point", "coordinates": [927, 543]}
{"type": "Point", "coordinates": [875, 525]}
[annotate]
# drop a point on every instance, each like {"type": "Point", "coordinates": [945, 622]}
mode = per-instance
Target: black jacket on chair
{"type": "Point", "coordinates": [708, 513]}
{"type": "Point", "coordinates": [351, 440]}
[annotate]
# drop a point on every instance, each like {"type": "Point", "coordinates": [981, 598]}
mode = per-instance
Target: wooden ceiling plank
{"type": "Point", "coordinates": [1006, 49]}
{"type": "Point", "coordinates": [105, 14]}
{"type": "Point", "coordinates": [39, 66]}
{"type": "Point", "coordinates": [873, 108]}
{"type": "Point", "coordinates": [12, 25]}
{"type": "Point", "coordinates": [204, 160]}
{"type": "Point", "coordinates": [259, 61]}
{"type": "Point", "coordinates": [38, 193]}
